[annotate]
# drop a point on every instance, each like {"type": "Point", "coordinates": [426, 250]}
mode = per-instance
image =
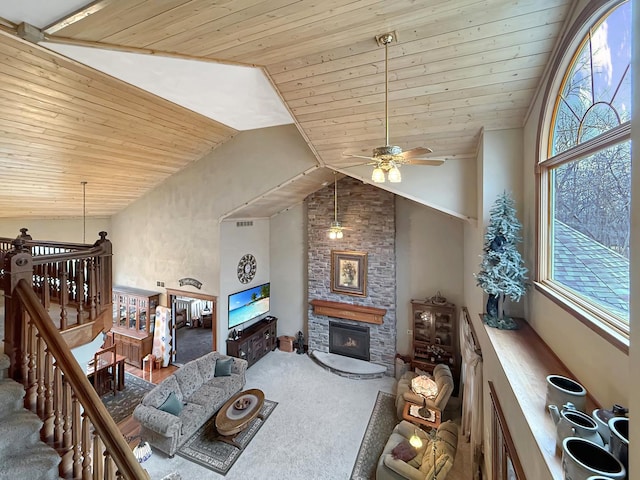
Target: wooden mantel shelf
{"type": "Point", "coordinates": [348, 311]}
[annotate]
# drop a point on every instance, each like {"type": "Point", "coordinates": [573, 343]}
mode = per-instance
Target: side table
{"type": "Point", "coordinates": [406, 414]}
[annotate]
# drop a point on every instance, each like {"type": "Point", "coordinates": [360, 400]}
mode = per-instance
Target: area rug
{"type": "Point", "coordinates": [204, 449]}
{"type": "Point", "coordinates": [381, 423]}
{"type": "Point", "coordinates": [122, 404]}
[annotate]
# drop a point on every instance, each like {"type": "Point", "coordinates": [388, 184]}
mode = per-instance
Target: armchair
{"type": "Point", "coordinates": [434, 459]}
{"type": "Point", "coordinates": [444, 380]}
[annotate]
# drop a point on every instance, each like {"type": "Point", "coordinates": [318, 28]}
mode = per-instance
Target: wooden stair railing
{"type": "Point", "coordinates": [69, 276]}
{"type": "Point", "coordinates": [75, 421]}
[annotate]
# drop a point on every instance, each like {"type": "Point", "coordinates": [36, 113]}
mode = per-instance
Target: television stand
{"type": "Point", "coordinates": [256, 341]}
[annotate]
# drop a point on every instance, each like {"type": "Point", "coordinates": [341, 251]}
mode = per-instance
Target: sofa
{"type": "Point", "coordinates": [444, 380]}
{"type": "Point", "coordinates": [173, 410]}
{"type": "Point", "coordinates": [434, 458]}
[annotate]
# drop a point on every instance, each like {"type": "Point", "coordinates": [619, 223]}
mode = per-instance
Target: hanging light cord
{"type": "Point", "coordinates": [387, 40]}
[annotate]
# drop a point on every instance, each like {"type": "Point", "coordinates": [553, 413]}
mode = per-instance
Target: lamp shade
{"type": "Point", "coordinates": [378, 175]}
{"type": "Point", "coordinates": [394, 175]}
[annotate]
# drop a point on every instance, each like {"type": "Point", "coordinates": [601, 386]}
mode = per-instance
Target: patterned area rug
{"type": "Point", "coordinates": [383, 420]}
{"type": "Point", "coordinates": [203, 448]}
{"type": "Point", "coordinates": [122, 404]}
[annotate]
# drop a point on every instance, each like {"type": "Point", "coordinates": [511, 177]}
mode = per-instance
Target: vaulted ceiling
{"type": "Point", "coordinates": [458, 66]}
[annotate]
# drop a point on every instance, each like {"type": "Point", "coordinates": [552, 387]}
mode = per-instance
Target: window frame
{"type": "Point", "coordinates": [605, 324]}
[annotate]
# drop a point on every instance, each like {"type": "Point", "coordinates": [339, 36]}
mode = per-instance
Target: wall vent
{"type": "Point", "coordinates": [245, 223]}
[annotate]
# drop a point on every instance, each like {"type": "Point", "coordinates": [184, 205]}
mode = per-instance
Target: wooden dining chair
{"type": "Point", "coordinates": [104, 361]}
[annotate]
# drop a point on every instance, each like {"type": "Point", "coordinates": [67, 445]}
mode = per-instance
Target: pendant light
{"type": "Point", "coordinates": [335, 230]}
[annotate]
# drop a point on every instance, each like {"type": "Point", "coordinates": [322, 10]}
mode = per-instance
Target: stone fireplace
{"type": "Point", "coordinates": [370, 215]}
{"type": "Point", "coordinates": [349, 340]}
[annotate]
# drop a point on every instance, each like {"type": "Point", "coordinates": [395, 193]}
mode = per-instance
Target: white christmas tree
{"type": "Point", "coordinates": [502, 273]}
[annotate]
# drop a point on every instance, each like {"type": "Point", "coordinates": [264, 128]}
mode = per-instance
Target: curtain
{"type": "Point", "coordinates": [471, 377]}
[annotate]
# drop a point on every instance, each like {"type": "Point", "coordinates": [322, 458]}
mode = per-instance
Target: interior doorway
{"type": "Point", "coordinates": [193, 324]}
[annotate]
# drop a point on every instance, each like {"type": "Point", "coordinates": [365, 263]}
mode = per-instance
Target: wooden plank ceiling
{"type": "Point", "coordinates": [458, 66]}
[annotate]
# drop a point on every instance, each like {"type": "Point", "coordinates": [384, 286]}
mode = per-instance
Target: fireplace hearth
{"type": "Point", "coordinates": [349, 340]}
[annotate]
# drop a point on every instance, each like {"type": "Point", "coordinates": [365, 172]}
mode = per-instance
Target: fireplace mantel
{"type": "Point", "coordinates": [348, 311]}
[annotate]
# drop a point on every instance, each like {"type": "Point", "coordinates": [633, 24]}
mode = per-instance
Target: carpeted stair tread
{"type": "Point", "coordinates": [41, 459]}
{"type": "Point", "coordinates": [11, 397]}
{"type": "Point", "coordinates": [19, 432]}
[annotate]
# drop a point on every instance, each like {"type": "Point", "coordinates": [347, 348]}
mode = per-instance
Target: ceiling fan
{"type": "Point", "coordinates": [389, 158]}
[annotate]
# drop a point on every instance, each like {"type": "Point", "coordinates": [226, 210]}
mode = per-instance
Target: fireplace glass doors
{"type": "Point", "coordinates": [349, 340]}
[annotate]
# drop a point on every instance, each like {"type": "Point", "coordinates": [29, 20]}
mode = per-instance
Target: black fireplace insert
{"type": "Point", "coordinates": [349, 340]}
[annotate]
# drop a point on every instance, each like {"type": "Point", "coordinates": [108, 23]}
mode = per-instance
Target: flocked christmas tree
{"type": "Point", "coordinates": [502, 273]}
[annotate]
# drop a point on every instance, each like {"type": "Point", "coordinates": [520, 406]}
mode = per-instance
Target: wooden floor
{"type": "Point", "coordinates": [129, 427]}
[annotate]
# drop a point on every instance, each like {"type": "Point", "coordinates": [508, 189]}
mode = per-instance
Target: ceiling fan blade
{"type": "Point", "coordinates": [434, 162]}
{"type": "Point", "coordinates": [416, 152]}
{"type": "Point", "coordinates": [358, 156]}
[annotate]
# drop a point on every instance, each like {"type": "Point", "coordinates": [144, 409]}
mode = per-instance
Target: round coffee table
{"type": "Point", "coordinates": [231, 420]}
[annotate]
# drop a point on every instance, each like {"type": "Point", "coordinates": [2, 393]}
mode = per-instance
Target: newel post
{"type": "Point", "coordinates": [105, 271]}
{"type": "Point", "coordinates": [18, 265]}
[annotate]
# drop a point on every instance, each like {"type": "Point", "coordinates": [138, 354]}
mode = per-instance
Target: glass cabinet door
{"type": "Point", "coordinates": [122, 305]}
{"type": "Point", "coordinates": [142, 321]}
{"type": "Point", "coordinates": [443, 329]}
{"type": "Point", "coordinates": [133, 313]}
{"type": "Point", "coordinates": [422, 324]}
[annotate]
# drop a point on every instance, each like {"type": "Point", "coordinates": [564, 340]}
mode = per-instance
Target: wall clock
{"type": "Point", "coordinates": [247, 268]}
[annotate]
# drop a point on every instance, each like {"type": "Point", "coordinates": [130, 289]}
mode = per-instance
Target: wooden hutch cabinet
{"type": "Point", "coordinates": [435, 335]}
{"type": "Point", "coordinates": [134, 314]}
{"type": "Point", "coordinates": [256, 341]}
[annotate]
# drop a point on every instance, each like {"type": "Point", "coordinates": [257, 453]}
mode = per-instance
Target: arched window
{"type": "Point", "coordinates": [585, 176]}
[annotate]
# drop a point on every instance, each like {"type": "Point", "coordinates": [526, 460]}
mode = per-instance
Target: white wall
{"type": "Point", "coordinates": [288, 252]}
{"type": "Point", "coordinates": [173, 231]}
{"type": "Point", "coordinates": [428, 259]}
{"type": "Point", "coordinates": [449, 188]}
{"type": "Point", "coordinates": [57, 229]}
{"type": "Point", "coordinates": [235, 242]}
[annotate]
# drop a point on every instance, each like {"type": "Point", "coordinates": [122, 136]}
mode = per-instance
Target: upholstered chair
{"type": "Point", "coordinates": [444, 380]}
{"type": "Point", "coordinates": [433, 459]}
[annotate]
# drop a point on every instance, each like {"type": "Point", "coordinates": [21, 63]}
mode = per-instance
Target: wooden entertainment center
{"type": "Point", "coordinates": [256, 341]}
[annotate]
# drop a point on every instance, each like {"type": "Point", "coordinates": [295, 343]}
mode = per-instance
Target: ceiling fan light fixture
{"type": "Point", "coordinates": [378, 175]}
{"type": "Point", "coordinates": [394, 175]}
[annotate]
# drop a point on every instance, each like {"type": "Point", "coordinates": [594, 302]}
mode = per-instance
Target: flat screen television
{"type": "Point", "coordinates": [248, 304]}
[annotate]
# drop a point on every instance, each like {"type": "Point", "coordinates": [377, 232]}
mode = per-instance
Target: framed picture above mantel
{"type": "Point", "coordinates": [349, 272]}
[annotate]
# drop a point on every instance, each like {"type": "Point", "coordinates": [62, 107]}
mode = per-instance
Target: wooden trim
{"type": "Point", "coordinates": [597, 325]}
{"type": "Point", "coordinates": [143, 51]}
{"type": "Point", "coordinates": [527, 361]}
{"type": "Point", "coordinates": [80, 14]}
{"type": "Point", "coordinates": [506, 436]}
{"type": "Point", "coordinates": [348, 311]}
{"type": "Point", "coordinates": [186, 293]}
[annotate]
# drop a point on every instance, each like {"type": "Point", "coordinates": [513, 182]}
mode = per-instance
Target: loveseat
{"type": "Point", "coordinates": [434, 458]}
{"type": "Point", "coordinates": [174, 409]}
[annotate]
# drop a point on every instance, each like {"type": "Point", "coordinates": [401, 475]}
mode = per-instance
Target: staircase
{"type": "Point", "coordinates": [22, 454]}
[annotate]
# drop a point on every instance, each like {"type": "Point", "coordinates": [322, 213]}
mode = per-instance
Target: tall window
{"type": "Point", "coordinates": [586, 177]}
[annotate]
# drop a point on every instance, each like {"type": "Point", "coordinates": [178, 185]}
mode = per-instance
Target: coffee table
{"type": "Point", "coordinates": [230, 421]}
{"type": "Point", "coordinates": [406, 414]}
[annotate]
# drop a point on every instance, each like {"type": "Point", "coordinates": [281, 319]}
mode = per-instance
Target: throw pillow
{"type": "Point", "coordinates": [404, 451]}
{"type": "Point", "coordinates": [223, 367]}
{"type": "Point", "coordinates": [172, 405]}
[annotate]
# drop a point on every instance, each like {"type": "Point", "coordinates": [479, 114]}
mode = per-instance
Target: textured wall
{"type": "Point", "coordinates": [370, 214]}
